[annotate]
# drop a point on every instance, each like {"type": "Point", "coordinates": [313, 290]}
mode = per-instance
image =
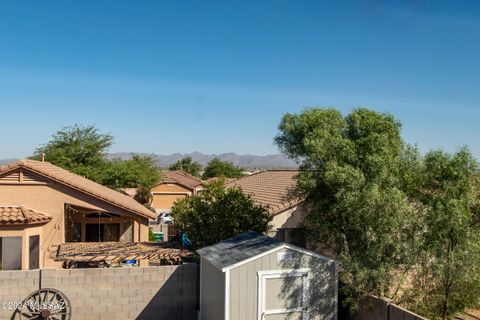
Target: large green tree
{"type": "Point", "coordinates": [79, 149]}
{"type": "Point", "coordinates": [131, 173]}
{"type": "Point", "coordinates": [219, 168]}
{"type": "Point", "coordinates": [188, 165]}
{"type": "Point", "coordinates": [218, 213]}
{"type": "Point", "coordinates": [351, 176]}
{"type": "Point", "coordinates": [447, 279]}
{"type": "Point", "coordinates": [83, 149]}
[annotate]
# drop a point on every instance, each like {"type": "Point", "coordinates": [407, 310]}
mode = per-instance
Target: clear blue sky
{"type": "Point", "coordinates": [216, 76]}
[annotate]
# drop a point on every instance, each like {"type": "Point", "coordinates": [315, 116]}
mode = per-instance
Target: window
{"type": "Point", "coordinates": [96, 232]}
{"type": "Point", "coordinates": [34, 252]}
{"type": "Point", "coordinates": [11, 253]}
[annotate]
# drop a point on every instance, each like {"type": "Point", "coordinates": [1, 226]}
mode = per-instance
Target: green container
{"type": "Point", "coordinates": [159, 236]}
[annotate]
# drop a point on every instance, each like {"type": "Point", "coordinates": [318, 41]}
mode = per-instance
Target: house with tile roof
{"type": "Point", "coordinates": [43, 206]}
{"type": "Point", "coordinates": [174, 185]}
{"type": "Point", "coordinates": [273, 189]}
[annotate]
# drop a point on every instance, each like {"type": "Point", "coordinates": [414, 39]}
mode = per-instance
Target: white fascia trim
{"type": "Point", "coordinates": [227, 295]}
{"type": "Point", "coordinates": [283, 246]}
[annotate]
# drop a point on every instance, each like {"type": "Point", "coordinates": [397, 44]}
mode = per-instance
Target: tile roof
{"type": "Point", "coordinates": [83, 184]}
{"type": "Point", "coordinates": [241, 247]}
{"type": "Point", "coordinates": [15, 215]}
{"type": "Point", "coordinates": [181, 177]}
{"type": "Point", "coordinates": [270, 188]}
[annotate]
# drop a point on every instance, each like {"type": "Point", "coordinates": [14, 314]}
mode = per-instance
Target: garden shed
{"type": "Point", "coordinates": [253, 276]}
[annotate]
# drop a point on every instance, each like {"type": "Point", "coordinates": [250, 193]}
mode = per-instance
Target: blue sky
{"type": "Point", "coordinates": [216, 76]}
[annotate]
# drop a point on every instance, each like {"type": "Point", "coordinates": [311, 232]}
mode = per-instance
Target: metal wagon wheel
{"type": "Point", "coordinates": [45, 304]}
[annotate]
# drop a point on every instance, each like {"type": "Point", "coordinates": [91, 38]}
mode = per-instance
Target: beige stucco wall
{"type": "Point", "coordinates": [289, 218]}
{"type": "Point", "coordinates": [244, 285]}
{"type": "Point", "coordinates": [50, 199]}
{"type": "Point", "coordinates": [164, 195]}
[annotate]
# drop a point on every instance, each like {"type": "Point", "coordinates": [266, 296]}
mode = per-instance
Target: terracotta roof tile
{"type": "Point", "coordinates": [182, 178]}
{"type": "Point", "coordinates": [21, 215]}
{"type": "Point", "coordinates": [270, 188]}
{"type": "Point", "coordinates": [83, 184]}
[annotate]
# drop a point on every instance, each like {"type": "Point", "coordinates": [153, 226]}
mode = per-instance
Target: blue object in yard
{"type": "Point", "coordinates": [129, 263]}
{"type": "Point", "coordinates": [185, 241]}
{"type": "Point", "coordinates": [159, 236]}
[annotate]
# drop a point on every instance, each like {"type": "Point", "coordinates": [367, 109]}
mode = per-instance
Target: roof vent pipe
{"type": "Point", "coordinates": [43, 157]}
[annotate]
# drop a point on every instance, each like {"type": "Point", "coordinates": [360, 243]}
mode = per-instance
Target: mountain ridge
{"type": "Point", "coordinates": [246, 161]}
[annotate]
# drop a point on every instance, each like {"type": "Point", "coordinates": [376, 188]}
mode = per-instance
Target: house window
{"type": "Point", "coordinates": [34, 252]}
{"type": "Point", "coordinates": [95, 232]}
{"type": "Point", "coordinates": [73, 232]}
{"type": "Point", "coordinates": [11, 253]}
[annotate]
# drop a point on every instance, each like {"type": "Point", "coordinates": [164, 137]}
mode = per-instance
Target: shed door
{"type": "Point", "coordinates": [283, 294]}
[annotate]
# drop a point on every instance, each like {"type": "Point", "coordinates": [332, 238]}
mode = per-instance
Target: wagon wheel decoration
{"type": "Point", "coordinates": [45, 304]}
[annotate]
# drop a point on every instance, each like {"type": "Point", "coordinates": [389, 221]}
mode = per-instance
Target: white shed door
{"type": "Point", "coordinates": [283, 294]}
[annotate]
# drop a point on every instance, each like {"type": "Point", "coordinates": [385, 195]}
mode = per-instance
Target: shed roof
{"type": "Point", "coordinates": [241, 247]}
{"type": "Point", "coordinates": [85, 185]}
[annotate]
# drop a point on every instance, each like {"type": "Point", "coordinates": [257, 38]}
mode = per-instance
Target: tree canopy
{"type": "Point", "coordinates": [79, 149]}
{"type": "Point", "coordinates": [83, 149]}
{"type": "Point", "coordinates": [188, 165]}
{"type": "Point", "coordinates": [447, 279]}
{"type": "Point", "coordinates": [405, 226]}
{"type": "Point", "coordinates": [218, 213]}
{"type": "Point", "coordinates": [219, 168]}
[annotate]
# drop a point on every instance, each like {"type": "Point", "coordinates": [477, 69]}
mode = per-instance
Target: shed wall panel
{"type": "Point", "coordinates": [322, 284]}
{"type": "Point", "coordinates": [212, 292]}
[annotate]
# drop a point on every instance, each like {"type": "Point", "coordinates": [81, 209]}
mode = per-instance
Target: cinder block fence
{"type": "Point", "coordinates": [162, 292]}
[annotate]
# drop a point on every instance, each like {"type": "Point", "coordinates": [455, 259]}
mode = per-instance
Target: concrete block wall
{"type": "Point", "coordinates": [375, 308]}
{"type": "Point", "coordinates": [161, 292]}
{"type": "Point", "coordinates": [14, 287]}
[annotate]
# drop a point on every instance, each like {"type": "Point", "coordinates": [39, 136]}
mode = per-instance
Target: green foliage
{"type": "Point", "coordinates": [151, 236]}
{"type": "Point", "coordinates": [82, 150]}
{"type": "Point", "coordinates": [351, 175]}
{"type": "Point", "coordinates": [188, 165]}
{"type": "Point", "coordinates": [218, 213]}
{"type": "Point", "coordinates": [219, 168]}
{"type": "Point", "coordinates": [79, 149]}
{"type": "Point", "coordinates": [137, 171]}
{"type": "Point", "coordinates": [448, 278]}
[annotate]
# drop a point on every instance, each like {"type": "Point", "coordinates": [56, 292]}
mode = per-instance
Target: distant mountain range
{"type": "Point", "coordinates": [247, 161]}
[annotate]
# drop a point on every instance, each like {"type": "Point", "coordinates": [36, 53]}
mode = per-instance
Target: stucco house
{"type": "Point", "coordinates": [174, 185]}
{"type": "Point", "coordinates": [273, 190]}
{"type": "Point", "coordinates": [43, 206]}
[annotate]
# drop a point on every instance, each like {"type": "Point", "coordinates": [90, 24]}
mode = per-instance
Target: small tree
{"type": "Point", "coordinates": [188, 165]}
{"type": "Point", "coordinates": [219, 168]}
{"type": "Point", "coordinates": [218, 213]}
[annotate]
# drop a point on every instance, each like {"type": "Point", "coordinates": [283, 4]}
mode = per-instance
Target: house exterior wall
{"type": "Point", "coordinates": [212, 292]}
{"type": "Point", "coordinates": [289, 218]}
{"type": "Point", "coordinates": [164, 195]}
{"type": "Point", "coordinates": [243, 302]}
{"type": "Point", "coordinates": [50, 198]}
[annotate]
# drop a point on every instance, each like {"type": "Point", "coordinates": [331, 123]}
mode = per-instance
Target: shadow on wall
{"type": "Point", "coordinates": [176, 299]}
{"type": "Point", "coordinates": [321, 296]}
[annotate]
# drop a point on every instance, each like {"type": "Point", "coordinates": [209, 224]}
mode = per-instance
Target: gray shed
{"type": "Point", "coordinates": [255, 277]}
